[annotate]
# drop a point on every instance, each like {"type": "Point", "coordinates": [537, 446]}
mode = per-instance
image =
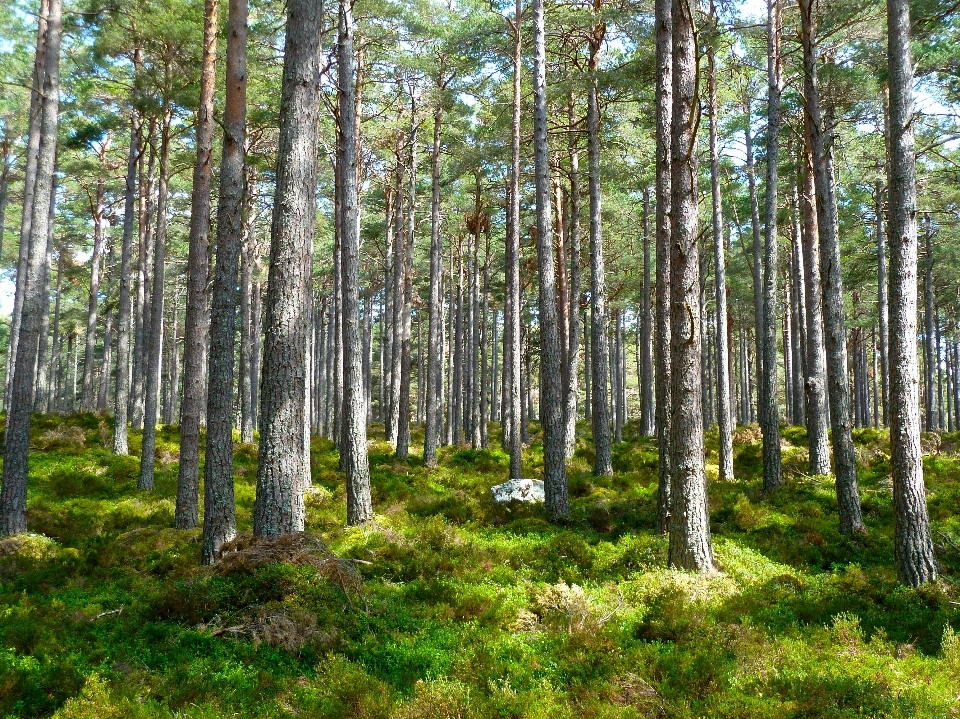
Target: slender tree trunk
{"type": "Point", "coordinates": [13, 491]}
{"type": "Point", "coordinates": [359, 505]}
{"type": "Point", "coordinates": [53, 394]}
{"type": "Point", "coordinates": [434, 426]}
{"type": "Point", "coordinates": [90, 337]}
{"type": "Point", "coordinates": [913, 545]}
{"type": "Point", "coordinates": [34, 135]}
{"type": "Point", "coordinates": [512, 326]}
{"type": "Point", "coordinates": [690, 545]}
{"type": "Point", "coordinates": [573, 336]}
{"type": "Point", "coordinates": [603, 463]}
{"type": "Point", "coordinates": [644, 348]}
{"type": "Point", "coordinates": [798, 312]}
{"type": "Point", "coordinates": [279, 505]}
{"type": "Point", "coordinates": [406, 352]}
{"type": "Point", "coordinates": [6, 165]}
{"type": "Point", "coordinates": [756, 267]}
{"type": "Point", "coordinates": [42, 391]}
{"type": "Point", "coordinates": [196, 326]}
{"type": "Point", "coordinates": [154, 343]}
{"type": "Point", "coordinates": [929, 353]}
{"type": "Point", "coordinates": [247, 264]}
{"type": "Point", "coordinates": [144, 265]}
{"type": "Point", "coordinates": [720, 277]}
{"type": "Point", "coordinates": [848, 496]}
{"type": "Point", "coordinates": [551, 413]}
{"type": "Point", "coordinates": [219, 513]}
{"type": "Point", "coordinates": [122, 391]}
{"type": "Point", "coordinates": [664, 113]}
{"type": "Point", "coordinates": [399, 245]}
{"type": "Point", "coordinates": [770, 412]}
{"type": "Point", "coordinates": [883, 309]}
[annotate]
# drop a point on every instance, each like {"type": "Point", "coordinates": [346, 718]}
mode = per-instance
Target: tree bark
{"type": "Point", "coordinates": [913, 545]}
{"type": "Point", "coordinates": [278, 508]}
{"type": "Point", "coordinates": [599, 360]}
{"type": "Point", "coordinates": [664, 113]}
{"type": "Point", "coordinates": [551, 413]}
{"type": "Point", "coordinates": [154, 342]}
{"type": "Point", "coordinates": [219, 513]}
{"type": "Point", "coordinates": [770, 411]}
{"type": "Point", "coordinates": [13, 491]}
{"type": "Point", "coordinates": [196, 326]}
{"type": "Point", "coordinates": [434, 426]}
{"type": "Point", "coordinates": [690, 545]}
{"type": "Point", "coordinates": [359, 505]}
{"type": "Point", "coordinates": [87, 400]}
{"type": "Point", "coordinates": [848, 496]}
{"type": "Point", "coordinates": [645, 349]}
{"type": "Point", "coordinates": [720, 277]}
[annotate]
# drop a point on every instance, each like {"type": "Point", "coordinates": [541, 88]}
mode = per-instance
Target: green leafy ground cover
{"type": "Point", "coordinates": [454, 607]}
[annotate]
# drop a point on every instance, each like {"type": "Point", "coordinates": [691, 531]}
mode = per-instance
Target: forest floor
{"type": "Point", "coordinates": [448, 605]}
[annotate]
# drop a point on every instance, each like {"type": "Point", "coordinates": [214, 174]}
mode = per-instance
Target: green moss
{"type": "Point", "coordinates": [473, 609]}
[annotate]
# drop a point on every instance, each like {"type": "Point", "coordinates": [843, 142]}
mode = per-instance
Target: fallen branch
{"type": "Point", "coordinates": [107, 614]}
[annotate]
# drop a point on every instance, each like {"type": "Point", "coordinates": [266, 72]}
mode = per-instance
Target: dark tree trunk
{"type": "Point", "coordinates": [196, 326]}
{"type": "Point", "coordinates": [279, 505]}
{"type": "Point", "coordinates": [219, 513]}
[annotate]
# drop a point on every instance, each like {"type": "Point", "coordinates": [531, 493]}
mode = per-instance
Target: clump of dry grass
{"type": "Point", "coordinates": [63, 438]}
{"type": "Point", "coordinates": [246, 553]}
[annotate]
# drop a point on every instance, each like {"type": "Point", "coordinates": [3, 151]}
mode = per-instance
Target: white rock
{"type": "Point", "coordinates": [520, 490]}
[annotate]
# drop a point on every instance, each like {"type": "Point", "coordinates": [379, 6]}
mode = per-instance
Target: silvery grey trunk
{"type": "Point", "coordinates": [396, 344]}
{"type": "Point", "coordinates": [406, 352]}
{"type": "Point", "coordinates": [359, 505]}
{"type": "Point", "coordinates": [32, 153]}
{"type": "Point", "coordinates": [551, 412]}
{"type": "Point", "coordinates": [154, 341]}
{"type": "Point", "coordinates": [756, 267]}
{"type": "Point", "coordinates": [599, 359]}
{"type": "Point", "coordinates": [219, 514]}
{"type": "Point", "coordinates": [196, 326]}
{"type": "Point", "coordinates": [573, 337]}
{"type": "Point", "coordinates": [815, 384]}
{"type": "Point", "coordinates": [512, 328]}
{"type": "Point", "coordinates": [434, 426]}
{"type": "Point", "coordinates": [690, 545]}
{"type": "Point", "coordinates": [883, 309]}
{"type": "Point", "coordinates": [664, 112]}
{"type": "Point", "coordinates": [122, 391]}
{"type": "Point", "coordinates": [279, 508]}
{"type": "Point", "coordinates": [769, 407]}
{"type": "Point", "coordinates": [41, 393]}
{"type": "Point", "coordinates": [929, 352]}
{"type": "Point", "coordinates": [16, 450]}
{"type": "Point", "coordinates": [87, 400]}
{"type": "Point", "coordinates": [848, 497]}
{"type": "Point", "coordinates": [645, 349]}
{"type": "Point", "coordinates": [913, 545]}
{"type": "Point", "coordinates": [720, 278]}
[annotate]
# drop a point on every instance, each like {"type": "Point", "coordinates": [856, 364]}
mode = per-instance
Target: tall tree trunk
{"type": "Point", "coordinates": [883, 309]}
{"type": "Point", "coordinates": [848, 496]}
{"type": "Point", "coordinates": [573, 336]}
{"type": "Point", "coordinates": [53, 395]}
{"type": "Point", "coordinates": [247, 266]}
{"type": "Point", "coordinates": [720, 276]}
{"type": "Point", "coordinates": [32, 152]}
{"type": "Point", "coordinates": [770, 412]}
{"type": "Point", "coordinates": [757, 266]}
{"type": "Point", "coordinates": [913, 545]}
{"type": "Point", "coordinates": [434, 342]}
{"type": "Point", "coordinates": [512, 328]}
{"type": "Point", "coordinates": [16, 450]}
{"type": "Point", "coordinates": [279, 503]}
{"type": "Point", "coordinates": [144, 265]}
{"type": "Point", "coordinates": [219, 513]}
{"type": "Point", "coordinates": [644, 348]}
{"type": "Point", "coordinates": [815, 385]}
{"type": "Point", "coordinates": [406, 352]}
{"type": "Point", "coordinates": [6, 165]}
{"type": "Point", "coordinates": [122, 391]}
{"type": "Point", "coordinates": [42, 391]}
{"type": "Point", "coordinates": [664, 112]}
{"type": "Point", "coordinates": [90, 337]}
{"type": "Point", "coordinates": [929, 352]}
{"type": "Point", "coordinates": [196, 326]}
{"type": "Point", "coordinates": [154, 342]}
{"type": "Point", "coordinates": [690, 545]}
{"type": "Point", "coordinates": [603, 462]}
{"type": "Point", "coordinates": [551, 414]}
{"type": "Point", "coordinates": [359, 505]}
{"type": "Point", "coordinates": [396, 344]}
{"type": "Point", "coordinates": [798, 310]}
